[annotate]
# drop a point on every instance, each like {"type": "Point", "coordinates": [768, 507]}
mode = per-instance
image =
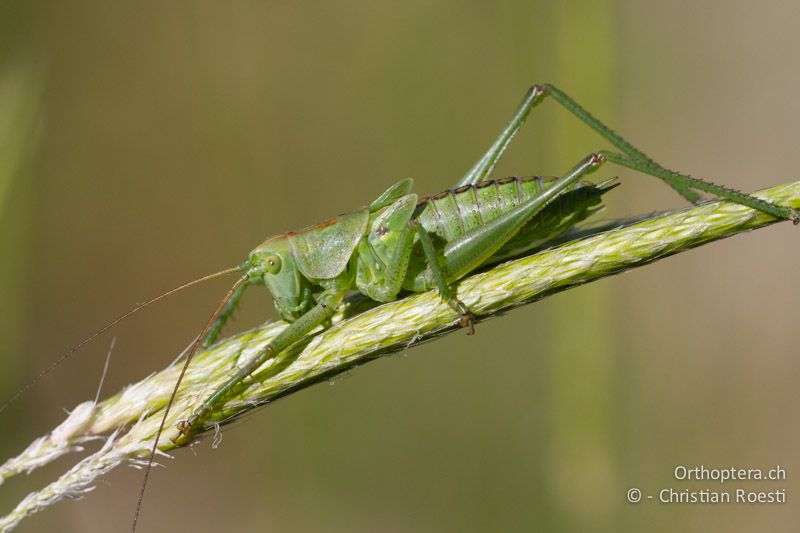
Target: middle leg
{"type": "Point", "coordinates": [466, 253]}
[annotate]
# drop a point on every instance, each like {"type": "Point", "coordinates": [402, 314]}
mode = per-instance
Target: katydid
{"type": "Point", "coordinates": [400, 243]}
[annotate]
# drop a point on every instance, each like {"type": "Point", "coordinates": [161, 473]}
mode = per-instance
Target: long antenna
{"type": "Point", "coordinates": [189, 357]}
{"type": "Point", "coordinates": [63, 357]}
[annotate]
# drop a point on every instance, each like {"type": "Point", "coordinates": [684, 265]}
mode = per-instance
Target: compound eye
{"type": "Point", "coordinates": [272, 264]}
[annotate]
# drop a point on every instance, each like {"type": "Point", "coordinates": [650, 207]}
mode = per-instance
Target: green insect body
{"type": "Point", "coordinates": [368, 250]}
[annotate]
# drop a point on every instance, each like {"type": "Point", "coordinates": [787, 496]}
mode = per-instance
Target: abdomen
{"type": "Point", "coordinates": [452, 214]}
{"type": "Point", "coordinates": [449, 215]}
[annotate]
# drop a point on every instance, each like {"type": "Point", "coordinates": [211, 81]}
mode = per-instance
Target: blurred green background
{"type": "Point", "coordinates": [144, 145]}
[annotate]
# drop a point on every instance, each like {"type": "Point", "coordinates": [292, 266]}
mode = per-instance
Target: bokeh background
{"type": "Point", "coordinates": [145, 144]}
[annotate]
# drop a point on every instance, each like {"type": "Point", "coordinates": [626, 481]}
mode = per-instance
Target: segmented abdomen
{"type": "Point", "coordinates": [453, 213]}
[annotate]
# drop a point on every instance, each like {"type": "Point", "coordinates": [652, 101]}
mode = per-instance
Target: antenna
{"type": "Point", "coordinates": [63, 357]}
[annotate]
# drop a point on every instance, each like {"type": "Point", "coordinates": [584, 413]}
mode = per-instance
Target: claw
{"type": "Point", "coordinates": [466, 321]}
{"type": "Point", "coordinates": [467, 317]}
{"type": "Point", "coordinates": [184, 428]}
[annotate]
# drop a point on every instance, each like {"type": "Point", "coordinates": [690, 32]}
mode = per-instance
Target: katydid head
{"type": "Point", "coordinates": [273, 265]}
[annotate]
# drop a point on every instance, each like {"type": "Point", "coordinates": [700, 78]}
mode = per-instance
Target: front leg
{"type": "Point", "coordinates": [224, 315]}
{"type": "Point", "coordinates": [327, 303]}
